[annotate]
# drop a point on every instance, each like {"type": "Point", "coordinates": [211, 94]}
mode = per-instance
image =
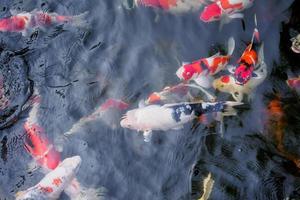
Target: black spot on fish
{"type": "Point", "coordinates": [179, 109]}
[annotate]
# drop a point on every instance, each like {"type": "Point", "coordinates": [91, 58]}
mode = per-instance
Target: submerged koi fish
{"type": "Point", "coordinates": [201, 70]}
{"type": "Point", "coordinates": [53, 184]}
{"type": "Point", "coordinates": [170, 116]}
{"type": "Point", "coordinates": [225, 10]}
{"type": "Point", "coordinates": [109, 104]}
{"type": "Point", "coordinates": [228, 83]}
{"type": "Point", "coordinates": [40, 148]}
{"type": "Point", "coordinates": [25, 21]}
{"type": "Point", "coordinates": [294, 82]}
{"type": "Point", "coordinates": [181, 90]}
{"type": "Point", "coordinates": [171, 5]}
{"type": "Point", "coordinates": [276, 126]}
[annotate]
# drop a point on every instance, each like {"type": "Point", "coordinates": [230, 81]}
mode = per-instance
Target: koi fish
{"type": "Point", "coordinates": [276, 126]}
{"type": "Point", "coordinates": [26, 21]}
{"type": "Point", "coordinates": [247, 63]}
{"type": "Point", "coordinates": [294, 82]}
{"type": "Point", "coordinates": [227, 83]}
{"type": "Point", "coordinates": [169, 116]}
{"type": "Point", "coordinates": [181, 90]}
{"type": "Point", "coordinates": [109, 104]}
{"type": "Point", "coordinates": [296, 44]}
{"type": "Point", "coordinates": [225, 10]}
{"type": "Point", "coordinates": [40, 148]}
{"type": "Point", "coordinates": [201, 70]}
{"type": "Point", "coordinates": [52, 185]}
{"type": "Point", "coordinates": [176, 6]}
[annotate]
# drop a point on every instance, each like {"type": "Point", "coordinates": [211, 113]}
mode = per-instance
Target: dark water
{"type": "Point", "coordinates": [127, 54]}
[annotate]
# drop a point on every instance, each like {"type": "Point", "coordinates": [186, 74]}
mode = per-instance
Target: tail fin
{"type": "Point", "coordinates": [80, 20]}
{"type": "Point", "coordinates": [231, 46]}
{"type": "Point", "coordinates": [255, 34]}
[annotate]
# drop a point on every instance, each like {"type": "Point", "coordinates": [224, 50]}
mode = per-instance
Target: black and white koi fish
{"type": "Point", "coordinates": [171, 116]}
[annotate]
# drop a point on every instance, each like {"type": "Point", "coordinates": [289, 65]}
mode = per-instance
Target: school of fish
{"type": "Point", "coordinates": [174, 108]}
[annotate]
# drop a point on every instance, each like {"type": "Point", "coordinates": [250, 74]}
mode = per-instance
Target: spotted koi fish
{"type": "Point", "coordinates": [225, 10]}
{"type": "Point", "coordinates": [26, 21]}
{"type": "Point", "coordinates": [201, 70]}
{"type": "Point", "coordinates": [169, 116]}
{"type": "Point", "coordinates": [53, 184]}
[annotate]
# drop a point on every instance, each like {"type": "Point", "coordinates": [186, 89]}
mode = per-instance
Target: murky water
{"type": "Point", "coordinates": [127, 54]}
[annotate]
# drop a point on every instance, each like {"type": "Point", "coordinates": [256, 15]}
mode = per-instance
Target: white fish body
{"type": "Point", "coordinates": [52, 185]}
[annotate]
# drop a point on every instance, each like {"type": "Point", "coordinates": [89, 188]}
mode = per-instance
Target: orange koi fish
{"type": "Point", "coordinates": [276, 125]}
{"type": "Point", "coordinates": [247, 63]}
{"type": "Point", "coordinates": [40, 148]}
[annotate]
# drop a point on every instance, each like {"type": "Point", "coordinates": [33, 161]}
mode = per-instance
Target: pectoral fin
{"type": "Point", "coordinates": [147, 135]}
{"type": "Point", "coordinates": [204, 81]}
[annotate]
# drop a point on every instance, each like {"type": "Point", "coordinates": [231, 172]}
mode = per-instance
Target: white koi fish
{"type": "Point", "coordinates": [52, 185]}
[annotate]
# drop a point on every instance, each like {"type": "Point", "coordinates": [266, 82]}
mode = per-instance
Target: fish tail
{"type": "Point", "coordinates": [80, 20]}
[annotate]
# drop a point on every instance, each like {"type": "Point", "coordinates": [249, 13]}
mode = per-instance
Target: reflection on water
{"type": "Point", "coordinates": [127, 53]}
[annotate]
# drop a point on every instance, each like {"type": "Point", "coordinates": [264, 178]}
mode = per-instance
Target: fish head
{"type": "Point", "coordinates": [129, 120]}
{"type": "Point", "coordinates": [212, 12]}
{"type": "Point", "coordinates": [243, 73]}
{"type": "Point", "coordinates": [186, 72]}
{"type": "Point", "coordinates": [223, 83]}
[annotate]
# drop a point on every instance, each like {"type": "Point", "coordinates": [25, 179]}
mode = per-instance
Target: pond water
{"type": "Point", "coordinates": [127, 52]}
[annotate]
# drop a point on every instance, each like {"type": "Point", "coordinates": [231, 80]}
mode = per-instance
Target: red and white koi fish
{"type": "Point", "coordinates": [176, 6]}
{"type": "Point", "coordinates": [53, 184]}
{"type": "Point", "coordinates": [228, 83]}
{"type": "Point", "coordinates": [225, 10]}
{"type": "Point", "coordinates": [169, 116]}
{"type": "Point", "coordinates": [46, 155]}
{"type": "Point", "coordinates": [26, 21]}
{"type": "Point", "coordinates": [181, 90]}
{"type": "Point", "coordinates": [294, 83]}
{"type": "Point", "coordinates": [201, 70]}
{"type": "Point", "coordinates": [109, 104]}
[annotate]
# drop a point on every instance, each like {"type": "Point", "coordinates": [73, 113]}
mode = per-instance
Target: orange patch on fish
{"type": "Point", "coordinates": [46, 189]}
{"type": "Point", "coordinates": [227, 5]}
{"type": "Point", "coordinates": [57, 182]}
